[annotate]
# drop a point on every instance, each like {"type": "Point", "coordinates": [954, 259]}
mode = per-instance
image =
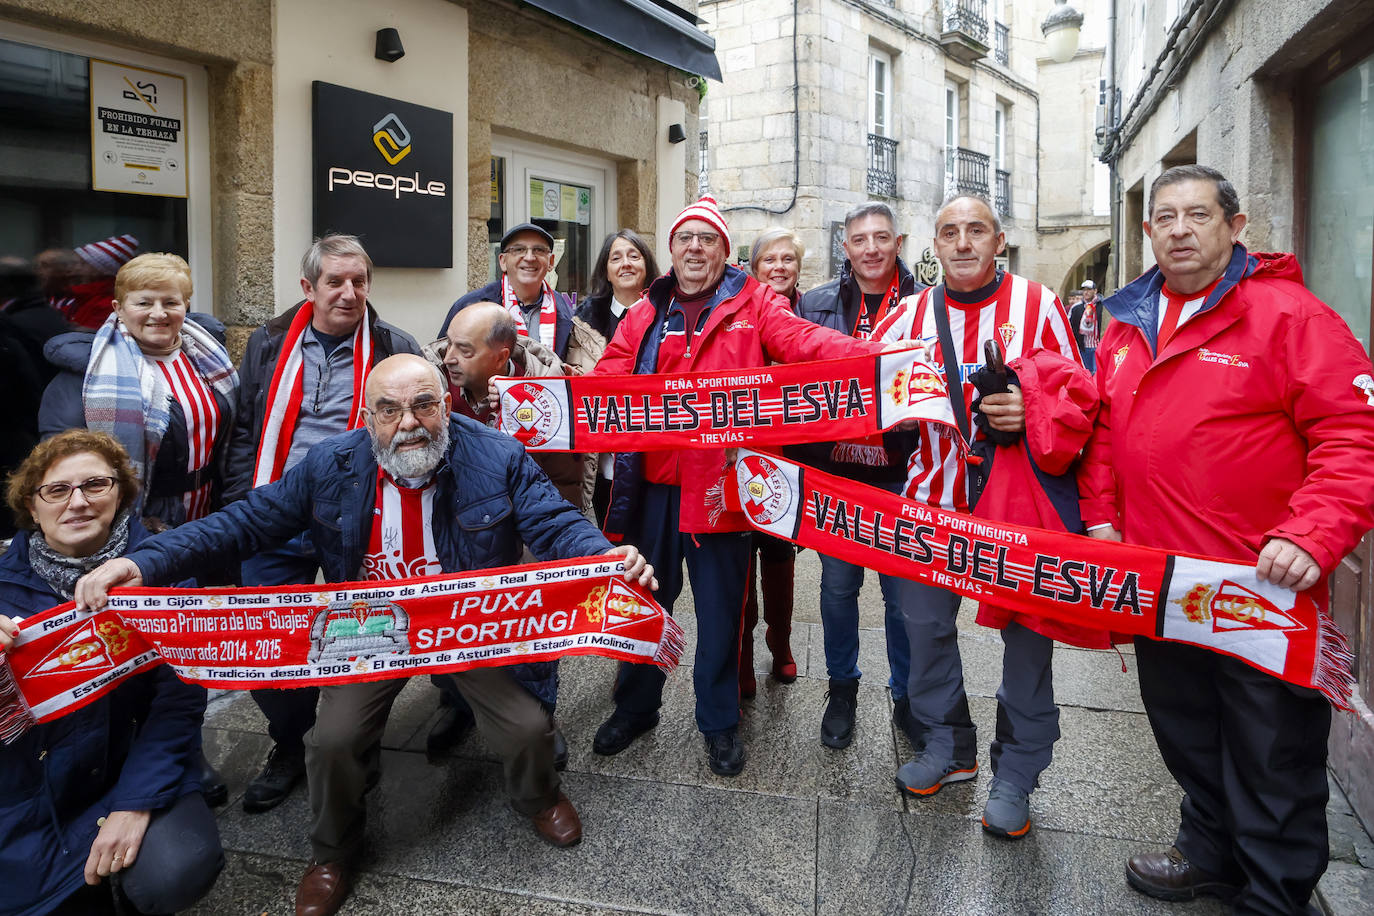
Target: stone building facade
{"type": "Point", "coordinates": [1278, 98]}
{"type": "Point", "coordinates": [899, 101]}
{"type": "Point", "coordinates": [537, 102]}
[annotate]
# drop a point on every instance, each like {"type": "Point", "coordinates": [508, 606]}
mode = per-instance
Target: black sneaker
{"type": "Point", "coordinates": [270, 787]}
{"type": "Point", "coordinates": [725, 753]}
{"type": "Point", "coordinates": [619, 732]}
{"type": "Point", "coordinates": [450, 730]}
{"type": "Point", "coordinates": [837, 723]}
{"type": "Point", "coordinates": [212, 784]}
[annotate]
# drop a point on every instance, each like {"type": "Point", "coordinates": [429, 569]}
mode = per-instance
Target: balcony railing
{"type": "Point", "coordinates": [882, 166]}
{"type": "Point", "coordinates": [966, 172]}
{"type": "Point", "coordinates": [969, 17]}
{"type": "Point", "coordinates": [1002, 199]}
{"type": "Point", "coordinates": [1001, 44]}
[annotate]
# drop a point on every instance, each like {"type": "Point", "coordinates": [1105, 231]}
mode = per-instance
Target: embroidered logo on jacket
{"type": "Point", "coordinates": [742, 325]}
{"type": "Point", "coordinates": [1120, 356]}
{"type": "Point", "coordinates": [1364, 387]}
{"type": "Point", "coordinates": [1221, 359]}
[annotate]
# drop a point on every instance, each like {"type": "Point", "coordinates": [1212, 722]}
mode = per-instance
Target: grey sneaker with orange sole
{"type": "Point", "coordinates": [1007, 813]}
{"type": "Point", "coordinates": [926, 774]}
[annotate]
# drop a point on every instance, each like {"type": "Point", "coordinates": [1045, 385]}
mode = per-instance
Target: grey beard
{"type": "Point", "coordinates": [412, 463]}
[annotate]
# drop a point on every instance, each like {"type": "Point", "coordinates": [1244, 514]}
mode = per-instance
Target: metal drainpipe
{"type": "Point", "coordinates": [1113, 176]}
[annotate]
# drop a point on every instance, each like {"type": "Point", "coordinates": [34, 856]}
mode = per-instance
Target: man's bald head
{"type": "Point", "coordinates": [481, 338]}
{"type": "Point", "coordinates": [404, 370]}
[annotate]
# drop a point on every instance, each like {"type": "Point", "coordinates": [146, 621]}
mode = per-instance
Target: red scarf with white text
{"type": "Point", "coordinates": [287, 391]}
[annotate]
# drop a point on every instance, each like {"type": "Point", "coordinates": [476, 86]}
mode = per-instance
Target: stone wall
{"type": "Point", "coordinates": [570, 90]}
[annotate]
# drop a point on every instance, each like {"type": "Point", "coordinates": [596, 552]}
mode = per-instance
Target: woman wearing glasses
{"type": "Point", "coordinates": [101, 807]}
{"type": "Point", "coordinates": [157, 380]}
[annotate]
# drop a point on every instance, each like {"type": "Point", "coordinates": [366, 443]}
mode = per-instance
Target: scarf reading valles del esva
{"type": "Point", "coordinates": [340, 633]}
{"type": "Point", "coordinates": [1126, 589]}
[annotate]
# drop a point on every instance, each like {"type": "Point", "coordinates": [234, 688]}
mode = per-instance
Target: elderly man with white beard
{"type": "Point", "coordinates": [479, 498]}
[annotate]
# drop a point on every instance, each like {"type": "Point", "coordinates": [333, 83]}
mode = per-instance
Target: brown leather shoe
{"type": "Point", "coordinates": [560, 824]}
{"type": "Point", "coordinates": [1169, 876]}
{"type": "Point", "coordinates": [323, 888]}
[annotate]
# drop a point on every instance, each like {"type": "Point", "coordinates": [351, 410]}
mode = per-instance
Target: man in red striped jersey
{"type": "Point", "coordinates": [977, 302]}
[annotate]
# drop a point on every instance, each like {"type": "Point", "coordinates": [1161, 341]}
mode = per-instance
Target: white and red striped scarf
{"type": "Point", "coordinates": [401, 545]}
{"type": "Point", "coordinates": [548, 313]}
{"type": "Point", "coordinates": [287, 391]}
{"type": "Point", "coordinates": [203, 424]}
{"type": "Point", "coordinates": [1020, 315]}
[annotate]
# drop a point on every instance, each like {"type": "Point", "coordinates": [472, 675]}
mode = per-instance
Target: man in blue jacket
{"type": "Point", "coordinates": [484, 498]}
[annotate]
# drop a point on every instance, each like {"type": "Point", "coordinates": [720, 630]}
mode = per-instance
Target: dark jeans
{"type": "Point", "coordinates": [177, 864]}
{"type": "Point", "coordinates": [290, 713]}
{"type": "Point", "coordinates": [1249, 751]}
{"type": "Point", "coordinates": [718, 565]}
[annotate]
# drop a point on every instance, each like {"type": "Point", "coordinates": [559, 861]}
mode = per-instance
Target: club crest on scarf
{"type": "Point", "coordinates": [767, 493]}
{"type": "Point", "coordinates": [1234, 607]}
{"type": "Point", "coordinates": [1364, 387]}
{"type": "Point", "coordinates": [536, 413]}
{"type": "Point", "coordinates": [92, 648]}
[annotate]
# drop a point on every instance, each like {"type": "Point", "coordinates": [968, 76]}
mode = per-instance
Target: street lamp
{"type": "Point", "coordinates": [1061, 28]}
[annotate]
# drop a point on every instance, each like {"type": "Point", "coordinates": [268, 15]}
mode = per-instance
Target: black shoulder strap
{"type": "Point", "coordinates": [953, 380]}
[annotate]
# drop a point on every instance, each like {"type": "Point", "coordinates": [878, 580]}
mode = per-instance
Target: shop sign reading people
{"type": "Point", "coordinates": [138, 130]}
{"type": "Point", "coordinates": [383, 171]}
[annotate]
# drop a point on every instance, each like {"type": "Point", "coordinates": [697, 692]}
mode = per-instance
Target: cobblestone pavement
{"type": "Point", "coordinates": [803, 830]}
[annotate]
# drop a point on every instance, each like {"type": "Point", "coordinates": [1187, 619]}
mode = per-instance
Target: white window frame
{"type": "Point", "coordinates": [951, 130]}
{"type": "Point", "coordinates": [526, 160]}
{"type": "Point", "coordinates": [879, 92]}
{"type": "Point", "coordinates": [1001, 119]}
{"type": "Point", "coordinates": [198, 232]}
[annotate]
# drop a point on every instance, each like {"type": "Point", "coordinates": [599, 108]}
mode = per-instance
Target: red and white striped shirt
{"type": "Point", "coordinates": [401, 545]}
{"type": "Point", "coordinates": [1021, 315]}
{"type": "Point", "coordinates": [203, 421]}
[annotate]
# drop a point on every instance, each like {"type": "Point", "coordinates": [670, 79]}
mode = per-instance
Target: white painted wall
{"type": "Point", "coordinates": [333, 41]}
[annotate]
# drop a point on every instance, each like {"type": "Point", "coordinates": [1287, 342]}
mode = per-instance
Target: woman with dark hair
{"type": "Point", "coordinates": [775, 259]}
{"type": "Point", "coordinates": [623, 271]}
{"type": "Point", "coordinates": [102, 809]}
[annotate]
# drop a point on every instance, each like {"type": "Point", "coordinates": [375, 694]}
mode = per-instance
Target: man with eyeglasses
{"type": "Point", "coordinates": [419, 492]}
{"type": "Point", "coordinates": [703, 315]}
{"type": "Point", "coordinates": [539, 310]}
{"type": "Point", "coordinates": [301, 381]}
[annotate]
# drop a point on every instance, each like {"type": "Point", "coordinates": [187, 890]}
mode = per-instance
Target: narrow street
{"type": "Point", "coordinates": [803, 830]}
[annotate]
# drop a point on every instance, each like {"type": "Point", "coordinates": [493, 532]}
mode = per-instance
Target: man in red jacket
{"type": "Point", "coordinates": [1233, 424]}
{"type": "Point", "coordinates": [703, 315]}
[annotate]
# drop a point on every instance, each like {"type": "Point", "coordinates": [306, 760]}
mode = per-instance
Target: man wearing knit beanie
{"type": "Point", "coordinates": [89, 301]}
{"type": "Point", "coordinates": [704, 315]}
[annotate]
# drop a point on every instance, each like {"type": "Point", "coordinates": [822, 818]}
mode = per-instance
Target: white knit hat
{"type": "Point", "coordinates": [707, 210]}
{"type": "Point", "coordinates": [110, 254]}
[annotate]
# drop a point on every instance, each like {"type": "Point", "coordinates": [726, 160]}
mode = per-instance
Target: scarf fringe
{"type": "Point", "coordinates": [1333, 677]}
{"type": "Point", "coordinates": [15, 716]}
{"type": "Point", "coordinates": [671, 646]}
{"type": "Point", "coordinates": [715, 500]}
{"type": "Point", "coordinates": [873, 456]}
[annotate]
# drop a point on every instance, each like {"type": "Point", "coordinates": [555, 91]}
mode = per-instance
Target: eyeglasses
{"type": "Point", "coordinates": [92, 488]}
{"type": "Point", "coordinates": [707, 239]}
{"type": "Point", "coordinates": [424, 410]}
{"type": "Point", "coordinates": [539, 251]}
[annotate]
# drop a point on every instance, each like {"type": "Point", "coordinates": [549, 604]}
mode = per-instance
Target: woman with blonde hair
{"type": "Point", "coordinates": [775, 259]}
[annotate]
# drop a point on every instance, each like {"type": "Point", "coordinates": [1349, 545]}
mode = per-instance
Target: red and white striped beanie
{"type": "Point", "coordinates": [705, 209]}
{"type": "Point", "coordinates": [110, 254]}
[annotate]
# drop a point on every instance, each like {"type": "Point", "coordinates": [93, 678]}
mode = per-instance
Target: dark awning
{"type": "Point", "coordinates": [657, 30]}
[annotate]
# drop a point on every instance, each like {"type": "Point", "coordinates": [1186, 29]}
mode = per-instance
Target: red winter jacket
{"type": "Point", "coordinates": [749, 326]}
{"type": "Point", "coordinates": [1249, 425]}
{"type": "Point", "coordinates": [1061, 403]}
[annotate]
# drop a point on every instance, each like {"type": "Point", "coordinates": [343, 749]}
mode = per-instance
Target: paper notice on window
{"type": "Point", "coordinates": [138, 130]}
